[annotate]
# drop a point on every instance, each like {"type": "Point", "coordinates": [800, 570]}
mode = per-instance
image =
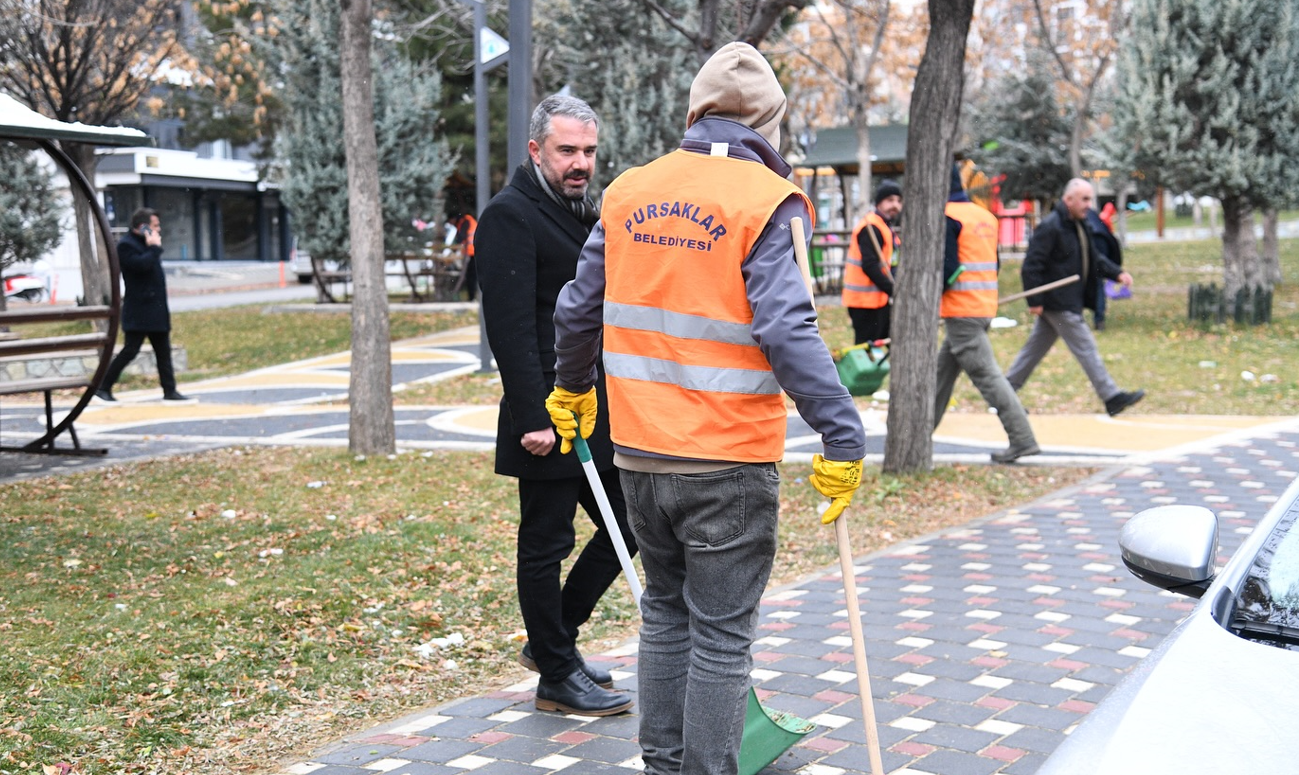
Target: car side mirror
{"type": "Point", "coordinates": [1172, 547]}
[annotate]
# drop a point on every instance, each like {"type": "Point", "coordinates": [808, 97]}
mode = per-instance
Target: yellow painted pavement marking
{"type": "Point", "coordinates": [136, 413]}
{"type": "Point", "coordinates": [273, 379]}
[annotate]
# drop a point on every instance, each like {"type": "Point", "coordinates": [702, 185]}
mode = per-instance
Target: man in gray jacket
{"type": "Point", "coordinates": [691, 283]}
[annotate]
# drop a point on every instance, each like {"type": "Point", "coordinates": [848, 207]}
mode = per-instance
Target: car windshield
{"type": "Point", "coordinates": [1267, 609]}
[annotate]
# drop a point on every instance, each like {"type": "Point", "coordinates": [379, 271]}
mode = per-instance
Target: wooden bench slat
{"type": "Point", "coordinates": [49, 344]}
{"type": "Point", "coordinates": [54, 314]}
{"type": "Point", "coordinates": [39, 385]}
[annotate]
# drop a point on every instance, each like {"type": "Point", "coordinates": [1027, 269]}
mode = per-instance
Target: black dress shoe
{"type": "Point", "coordinates": [104, 394]}
{"type": "Point", "coordinates": [599, 677]}
{"type": "Point", "coordinates": [1122, 401]}
{"type": "Point", "coordinates": [576, 694]}
{"type": "Point", "coordinates": [1014, 453]}
{"type": "Point", "coordinates": [175, 396]}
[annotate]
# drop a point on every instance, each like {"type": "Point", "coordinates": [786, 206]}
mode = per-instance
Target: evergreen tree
{"type": "Point", "coordinates": [30, 211]}
{"type": "Point", "coordinates": [1209, 97]}
{"type": "Point", "coordinates": [1024, 134]}
{"type": "Point", "coordinates": [413, 166]}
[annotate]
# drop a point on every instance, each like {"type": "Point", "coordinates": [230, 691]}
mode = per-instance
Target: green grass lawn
{"type": "Point", "coordinates": [234, 340]}
{"type": "Point", "coordinates": [223, 612]}
{"type": "Point", "coordinates": [1148, 343]}
{"type": "Point", "coordinates": [1146, 221]}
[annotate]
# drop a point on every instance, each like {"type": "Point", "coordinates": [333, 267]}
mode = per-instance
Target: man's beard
{"type": "Point", "coordinates": [563, 184]}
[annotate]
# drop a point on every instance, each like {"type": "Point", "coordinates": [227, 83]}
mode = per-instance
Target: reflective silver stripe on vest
{"type": "Point", "coordinates": [974, 286]}
{"type": "Point", "coordinates": [980, 266]}
{"type": "Point", "coordinates": [870, 288]}
{"type": "Point", "coordinates": [855, 262]}
{"type": "Point", "coordinates": [678, 324]}
{"type": "Point", "coordinates": [702, 378]}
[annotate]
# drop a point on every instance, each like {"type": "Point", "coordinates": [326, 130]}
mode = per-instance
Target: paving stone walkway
{"type": "Point", "coordinates": [987, 644]}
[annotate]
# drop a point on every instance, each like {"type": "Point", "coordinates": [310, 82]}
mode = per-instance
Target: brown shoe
{"type": "Point", "coordinates": [576, 694]}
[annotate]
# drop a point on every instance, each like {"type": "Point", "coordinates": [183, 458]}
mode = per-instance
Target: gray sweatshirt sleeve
{"type": "Point", "coordinates": [579, 318]}
{"type": "Point", "coordinates": [784, 326]}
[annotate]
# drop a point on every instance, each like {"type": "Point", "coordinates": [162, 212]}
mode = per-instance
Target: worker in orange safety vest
{"type": "Point", "coordinates": [868, 272]}
{"type": "Point", "coordinates": [690, 281]}
{"type": "Point", "coordinates": [969, 304]}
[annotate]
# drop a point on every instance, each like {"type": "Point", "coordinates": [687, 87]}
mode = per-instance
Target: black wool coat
{"type": "Point", "coordinates": [526, 248]}
{"type": "Point", "coordinates": [1054, 253]}
{"type": "Point", "coordinates": [144, 306]}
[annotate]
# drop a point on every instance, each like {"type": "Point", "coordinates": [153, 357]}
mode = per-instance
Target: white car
{"type": "Point", "coordinates": [1221, 693]}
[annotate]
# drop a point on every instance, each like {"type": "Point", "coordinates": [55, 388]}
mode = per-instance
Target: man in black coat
{"type": "Point", "coordinates": [526, 247]}
{"type": "Point", "coordinates": [144, 307]}
{"type": "Point", "coordinates": [1061, 246]}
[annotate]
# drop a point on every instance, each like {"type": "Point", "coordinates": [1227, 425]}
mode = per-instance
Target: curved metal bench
{"type": "Point", "coordinates": [100, 342]}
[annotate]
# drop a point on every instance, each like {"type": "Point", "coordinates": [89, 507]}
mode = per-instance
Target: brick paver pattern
{"type": "Point", "coordinates": [986, 644]}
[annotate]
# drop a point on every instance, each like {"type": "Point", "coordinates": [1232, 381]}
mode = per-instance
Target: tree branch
{"type": "Point", "coordinates": [765, 17]}
{"type": "Point", "coordinates": [672, 21]}
{"type": "Point", "coordinates": [1050, 42]}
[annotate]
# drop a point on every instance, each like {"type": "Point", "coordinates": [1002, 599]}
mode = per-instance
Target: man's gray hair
{"type": "Point", "coordinates": [1075, 184]}
{"type": "Point", "coordinates": [558, 105]}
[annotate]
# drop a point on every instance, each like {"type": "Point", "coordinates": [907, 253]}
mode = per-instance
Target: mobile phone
{"type": "Point", "coordinates": [146, 231]}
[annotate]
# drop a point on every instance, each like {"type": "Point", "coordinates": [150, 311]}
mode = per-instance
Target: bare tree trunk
{"type": "Point", "coordinates": [864, 182]}
{"type": "Point", "coordinates": [1122, 215]}
{"type": "Point", "coordinates": [94, 269]}
{"type": "Point", "coordinates": [1271, 255]}
{"type": "Point", "coordinates": [935, 110]}
{"type": "Point", "coordinates": [1240, 264]}
{"type": "Point", "coordinates": [861, 120]}
{"type": "Point", "coordinates": [371, 429]}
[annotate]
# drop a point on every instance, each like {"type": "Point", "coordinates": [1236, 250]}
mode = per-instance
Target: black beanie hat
{"type": "Point", "coordinates": [957, 186]}
{"type": "Point", "coordinates": [888, 188]}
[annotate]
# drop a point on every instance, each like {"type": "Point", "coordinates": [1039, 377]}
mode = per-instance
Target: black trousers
{"type": "Point", "coordinates": [553, 613]}
{"type": "Point", "coordinates": [869, 325]}
{"type": "Point", "coordinates": [161, 343]}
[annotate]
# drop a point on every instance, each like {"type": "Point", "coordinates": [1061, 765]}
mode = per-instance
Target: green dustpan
{"type": "Point", "coordinates": [767, 733]}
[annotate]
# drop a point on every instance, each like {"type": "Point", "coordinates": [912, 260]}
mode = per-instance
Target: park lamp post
{"type": "Point", "coordinates": [490, 51]}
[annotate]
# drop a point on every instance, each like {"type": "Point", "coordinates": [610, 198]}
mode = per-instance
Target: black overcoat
{"type": "Point", "coordinates": [144, 306]}
{"type": "Point", "coordinates": [1054, 253]}
{"type": "Point", "coordinates": [526, 248]}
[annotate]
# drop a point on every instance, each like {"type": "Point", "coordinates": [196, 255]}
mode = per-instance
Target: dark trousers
{"type": "Point", "coordinates": [869, 325]}
{"type": "Point", "coordinates": [161, 343]}
{"type": "Point", "coordinates": [552, 613]}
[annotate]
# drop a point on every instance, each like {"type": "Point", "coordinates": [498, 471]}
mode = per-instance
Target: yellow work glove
{"type": "Point", "coordinates": [562, 404]}
{"type": "Point", "coordinates": [836, 480]}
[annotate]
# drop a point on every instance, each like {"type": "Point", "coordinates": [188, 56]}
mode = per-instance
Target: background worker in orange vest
{"type": "Point", "coordinates": [466, 224]}
{"type": "Point", "coordinates": [868, 274]}
{"type": "Point", "coordinates": [691, 282]}
{"type": "Point", "coordinates": [968, 306]}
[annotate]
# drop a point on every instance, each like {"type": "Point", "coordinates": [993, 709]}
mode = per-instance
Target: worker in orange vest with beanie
{"type": "Point", "coordinates": [868, 273]}
{"type": "Point", "coordinates": [690, 281]}
{"type": "Point", "coordinates": [969, 304]}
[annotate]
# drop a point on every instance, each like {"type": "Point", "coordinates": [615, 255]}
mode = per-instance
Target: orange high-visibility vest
{"type": "Point", "coordinates": [974, 294]}
{"type": "Point", "coordinates": [685, 376]}
{"type": "Point", "coordinates": [467, 224]}
{"type": "Point", "coordinates": [858, 290]}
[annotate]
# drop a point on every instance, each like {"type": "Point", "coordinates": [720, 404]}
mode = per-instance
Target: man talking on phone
{"type": "Point", "coordinates": [144, 307]}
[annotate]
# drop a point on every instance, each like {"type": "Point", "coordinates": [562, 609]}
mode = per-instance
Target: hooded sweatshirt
{"type": "Point", "coordinates": [784, 318]}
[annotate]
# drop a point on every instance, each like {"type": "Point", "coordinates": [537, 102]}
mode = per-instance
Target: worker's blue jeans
{"type": "Point", "coordinates": [707, 542]}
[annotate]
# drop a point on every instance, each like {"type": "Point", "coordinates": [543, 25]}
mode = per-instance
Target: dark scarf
{"type": "Point", "coordinates": [584, 209]}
